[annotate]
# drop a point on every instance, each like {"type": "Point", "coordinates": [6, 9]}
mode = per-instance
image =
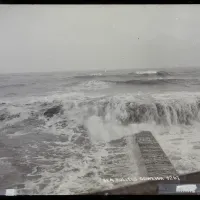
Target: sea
{"type": "Point", "coordinates": [61, 132]}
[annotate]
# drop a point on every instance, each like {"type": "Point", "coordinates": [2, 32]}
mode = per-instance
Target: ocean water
{"type": "Point", "coordinates": [61, 132]}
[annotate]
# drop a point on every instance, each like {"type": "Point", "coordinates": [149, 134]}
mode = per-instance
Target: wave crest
{"type": "Point", "coordinates": [151, 72]}
{"type": "Point", "coordinates": [171, 109]}
{"type": "Point", "coordinates": [153, 81]}
{"type": "Point", "coordinates": [166, 112]}
{"type": "Point", "coordinates": [146, 72]}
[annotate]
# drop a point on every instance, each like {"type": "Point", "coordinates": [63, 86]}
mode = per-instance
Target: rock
{"type": "Point", "coordinates": [53, 111]}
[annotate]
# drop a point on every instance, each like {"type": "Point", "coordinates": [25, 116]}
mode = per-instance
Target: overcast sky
{"type": "Point", "coordinates": [79, 37]}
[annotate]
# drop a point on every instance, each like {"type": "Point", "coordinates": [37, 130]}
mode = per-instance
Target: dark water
{"type": "Point", "coordinates": [56, 127]}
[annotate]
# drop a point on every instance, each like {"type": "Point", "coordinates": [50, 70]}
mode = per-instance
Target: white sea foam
{"type": "Point", "coordinates": [178, 143]}
{"type": "Point", "coordinates": [76, 169]}
{"type": "Point", "coordinates": [71, 152]}
{"type": "Point", "coordinates": [146, 72]}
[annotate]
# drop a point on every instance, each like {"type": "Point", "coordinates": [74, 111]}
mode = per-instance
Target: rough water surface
{"type": "Point", "coordinates": [63, 133]}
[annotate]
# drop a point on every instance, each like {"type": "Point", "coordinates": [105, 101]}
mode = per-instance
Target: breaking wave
{"type": "Point", "coordinates": [166, 112]}
{"type": "Point", "coordinates": [126, 109]}
{"type": "Point", "coordinates": [77, 157]}
{"type": "Point", "coordinates": [68, 140]}
{"type": "Point", "coordinates": [149, 73]}
{"type": "Point", "coordinates": [146, 72]}
{"type": "Point", "coordinates": [138, 73]}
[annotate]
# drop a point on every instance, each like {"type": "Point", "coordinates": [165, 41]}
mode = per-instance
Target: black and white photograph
{"type": "Point", "coordinates": [94, 98]}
